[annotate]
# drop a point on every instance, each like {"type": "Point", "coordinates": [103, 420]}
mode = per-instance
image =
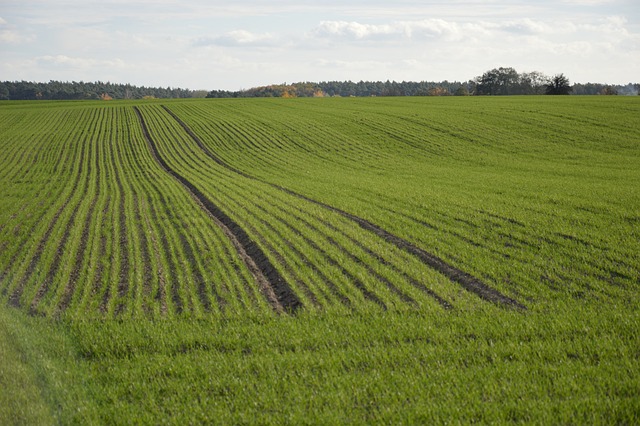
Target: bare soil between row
{"type": "Point", "coordinates": [271, 283]}
{"type": "Point", "coordinates": [464, 279]}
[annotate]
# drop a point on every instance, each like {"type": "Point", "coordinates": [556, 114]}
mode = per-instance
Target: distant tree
{"type": "Point", "coordinates": [559, 85]}
{"type": "Point", "coordinates": [461, 91]}
{"type": "Point", "coordinates": [587, 88]}
{"type": "Point", "coordinates": [533, 83]}
{"type": "Point", "coordinates": [609, 90]}
{"type": "Point", "coordinates": [438, 91]}
{"type": "Point", "coordinates": [498, 81]}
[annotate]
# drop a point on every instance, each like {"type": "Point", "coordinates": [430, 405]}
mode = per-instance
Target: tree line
{"type": "Point", "coordinates": [58, 90]}
{"type": "Point", "coordinates": [496, 82]}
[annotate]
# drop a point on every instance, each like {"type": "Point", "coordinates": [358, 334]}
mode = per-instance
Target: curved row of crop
{"type": "Point", "coordinates": [92, 225]}
{"type": "Point", "coordinates": [460, 179]}
{"type": "Point", "coordinates": [354, 274]}
{"type": "Point", "coordinates": [107, 232]}
{"type": "Point", "coordinates": [20, 215]}
{"type": "Point", "coordinates": [467, 281]}
{"type": "Point", "coordinates": [192, 260]}
{"type": "Point", "coordinates": [33, 268]}
{"type": "Point", "coordinates": [271, 283]}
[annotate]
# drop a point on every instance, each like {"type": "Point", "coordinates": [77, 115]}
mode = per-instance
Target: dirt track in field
{"type": "Point", "coordinates": [467, 281]}
{"type": "Point", "coordinates": [272, 285]}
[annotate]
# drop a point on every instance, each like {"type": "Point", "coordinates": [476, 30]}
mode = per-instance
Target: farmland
{"type": "Point", "coordinates": [321, 260]}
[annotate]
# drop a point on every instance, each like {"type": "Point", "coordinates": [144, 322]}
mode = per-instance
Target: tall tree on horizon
{"type": "Point", "coordinates": [559, 85]}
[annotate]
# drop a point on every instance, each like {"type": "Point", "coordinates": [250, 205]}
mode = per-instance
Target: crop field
{"type": "Point", "coordinates": [393, 260]}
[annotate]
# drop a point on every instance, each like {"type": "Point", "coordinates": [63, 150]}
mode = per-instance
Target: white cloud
{"type": "Point", "coordinates": [525, 26]}
{"type": "Point", "coordinates": [10, 35]}
{"type": "Point", "coordinates": [79, 63]}
{"type": "Point", "coordinates": [430, 28]}
{"type": "Point", "coordinates": [439, 29]}
{"type": "Point", "coordinates": [353, 30]}
{"type": "Point", "coordinates": [447, 30]}
{"type": "Point", "coordinates": [587, 2]}
{"type": "Point", "coordinates": [350, 65]}
{"type": "Point", "coordinates": [222, 44]}
{"type": "Point", "coordinates": [239, 38]}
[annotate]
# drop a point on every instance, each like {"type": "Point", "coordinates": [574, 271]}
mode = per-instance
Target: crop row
{"type": "Point", "coordinates": [533, 197]}
{"type": "Point", "coordinates": [104, 228]}
{"type": "Point", "coordinates": [110, 233]}
{"type": "Point", "coordinates": [293, 232]}
{"type": "Point", "coordinates": [215, 208]}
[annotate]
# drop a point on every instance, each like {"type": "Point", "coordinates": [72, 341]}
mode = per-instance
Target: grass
{"type": "Point", "coordinates": [136, 305]}
{"type": "Point", "coordinates": [491, 366]}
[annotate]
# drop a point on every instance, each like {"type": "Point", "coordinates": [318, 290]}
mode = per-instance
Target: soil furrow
{"type": "Point", "coordinates": [160, 295]}
{"type": "Point", "coordinates": [467, 281]}
{"type": "Point", "coordinates": [75, 273]}
{"type": "Point", "coordinates": [300, 284]}
{"type": "Point", "coordinates": [162, 291]}
{"type": "Point", "coordinates": [406, 298]}
{"type": "Point", "coordinates": [55, 265]}
{"type": "Point", "coordinates": [385, 262]}
{"type": "Point", "coordinates": [271, 283]}
{"type": "Point", "coordinates": [123, 280]}
{"type": "Point", "coordinates": [197, 276]}
{"type": "Point", "coordinates": [350, 277]}
{"type": "Point", "coordinates": [14, 299]}
{"type": "Point", "coordinates": [334, 289]}
{"type": "Point", "coordinates": [102, 250]}
{"type": "Point", "coordinates": [80, 255]}
{"type": "Point", "coordinates": [146, 258]}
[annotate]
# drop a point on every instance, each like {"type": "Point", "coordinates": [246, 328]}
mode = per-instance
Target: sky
{"type": "Point", "coordinates": [239, 44]}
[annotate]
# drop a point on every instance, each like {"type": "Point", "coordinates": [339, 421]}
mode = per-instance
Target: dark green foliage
{"type": "Point", "coordinates": [348, 89]}
{"type": "Point", "coordinates": [58, 90]}
{"type": "Point", "coordinates": [559, 85]}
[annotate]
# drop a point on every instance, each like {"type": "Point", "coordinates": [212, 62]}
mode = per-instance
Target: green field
{"type": "Point", "coordinates": [342, 260]}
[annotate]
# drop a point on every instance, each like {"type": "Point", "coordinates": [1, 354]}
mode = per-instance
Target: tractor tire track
{"type": "Point", "coordinates": [273, 286]}
{"type": "Point", "coordinates": [420, 286]}
{"type": "Point", "coordinates": [307, 291]}
{"type": "Point", "coordinates": [334, 289]}
{"type": "Point", "coordinates": [467, 281]}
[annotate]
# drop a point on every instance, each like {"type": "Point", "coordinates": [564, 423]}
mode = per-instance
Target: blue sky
{"type": "Point", "coordinates": [233, 45]}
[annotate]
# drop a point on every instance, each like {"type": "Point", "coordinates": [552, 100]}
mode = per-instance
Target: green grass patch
{"type": "Point", "coordinates": [490, 367]}
{"type": "Point", "coordinates": [123, 300]}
